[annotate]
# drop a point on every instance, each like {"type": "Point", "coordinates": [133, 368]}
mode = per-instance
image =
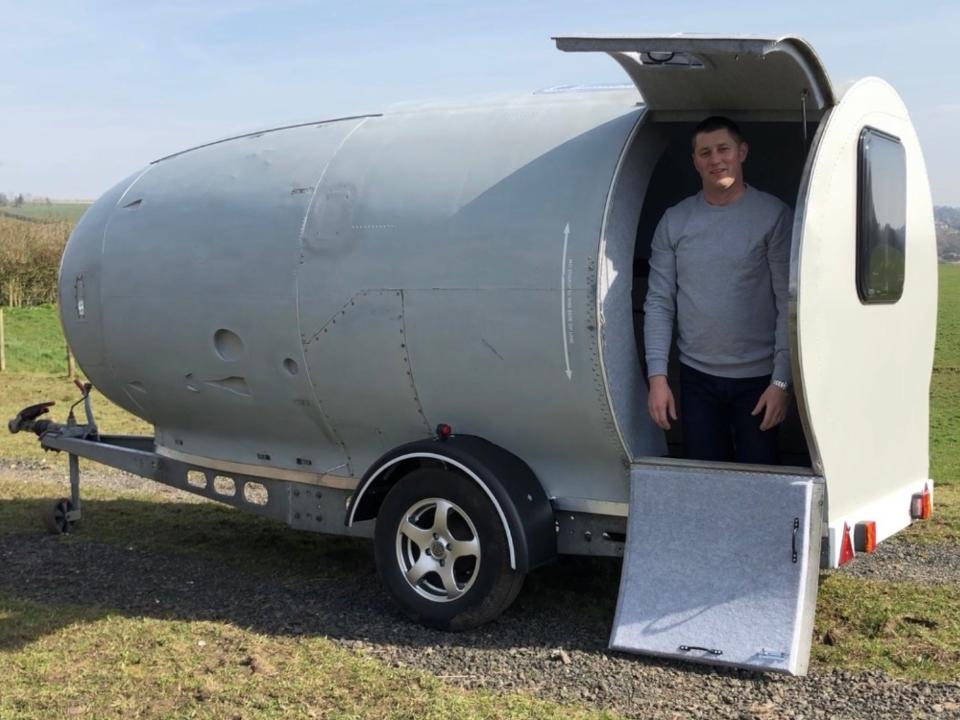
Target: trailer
{"type": "Point", "coordinates": [424, 326]}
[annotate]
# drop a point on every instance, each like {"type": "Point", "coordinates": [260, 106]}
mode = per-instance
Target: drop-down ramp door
{"type": "Point", "coordinates": [720, 567]}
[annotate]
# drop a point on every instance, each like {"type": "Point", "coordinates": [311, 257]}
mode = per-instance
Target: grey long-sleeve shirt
{"type": "Point", "coordinates": [723, 273]}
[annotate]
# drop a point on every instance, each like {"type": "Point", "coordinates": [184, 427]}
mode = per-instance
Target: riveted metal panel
{"type": "Point", "coordinates": [199, 301]}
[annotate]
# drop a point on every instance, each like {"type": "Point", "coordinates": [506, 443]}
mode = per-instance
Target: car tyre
{"type": "Point", "coordinates": [442, 551]}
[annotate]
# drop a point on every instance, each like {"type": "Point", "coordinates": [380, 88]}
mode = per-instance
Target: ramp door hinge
{"type": "Point", "coordinates": [772, 654]}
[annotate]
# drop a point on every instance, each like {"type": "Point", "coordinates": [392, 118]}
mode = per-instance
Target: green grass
{"type": "Point", "coordinates": [945, 427]}
{"type": "Point", "coordinates": [90, 663]}
{"type": "Point", "coordinates": [34, 340]}
{"type": "Point", "coordinates": [943, 527]}
{"type": "Point", "coordinates": [71, 212]}
{"type": "Point", "coordinates": [907, 630]}
{"type": "Point", "coordinates": [945, 384]}
{"type": "Point", "coordinates": [948, 319]}
{"type": "Point", "coordinates": [19, 390]}
{"type": "Point", "coordinates": [37, 372]}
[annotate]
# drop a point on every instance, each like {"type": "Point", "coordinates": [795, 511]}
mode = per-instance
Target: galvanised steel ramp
{"type": "Point", "coordinates": [721, 567]}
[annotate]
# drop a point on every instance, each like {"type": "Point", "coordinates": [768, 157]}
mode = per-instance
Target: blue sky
{"type": "Point", "coordinates": [92, 91]}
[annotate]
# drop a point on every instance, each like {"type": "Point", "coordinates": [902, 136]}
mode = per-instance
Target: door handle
{"type": "Point", "coordinates": [688, 648]}
{"type": "Point", "coordinates": [793, 540]}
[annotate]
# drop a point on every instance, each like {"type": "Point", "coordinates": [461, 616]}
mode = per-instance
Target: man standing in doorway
{"type": "Point", "coordinates": [720, 265]}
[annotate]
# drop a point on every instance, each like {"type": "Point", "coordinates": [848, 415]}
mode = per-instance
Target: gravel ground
{"type": "Point", "coordinates": [895, 559]}
{"type": "Point", "coordinates": [551, 643]}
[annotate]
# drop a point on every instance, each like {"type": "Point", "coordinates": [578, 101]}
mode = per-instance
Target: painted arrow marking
{"type": "Point", "coordinates": [563, 302]}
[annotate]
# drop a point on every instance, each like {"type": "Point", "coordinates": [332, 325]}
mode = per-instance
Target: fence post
{"type": "Point", "coordinates": [3, 346]}
{"type": "Point", "coordinates": [71, 365]}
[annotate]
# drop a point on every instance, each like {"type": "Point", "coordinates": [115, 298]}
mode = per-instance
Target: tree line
{"type": "Point", "coordinates": [18, 200]}
{"type": "Point", "coordinates": [948, 233]}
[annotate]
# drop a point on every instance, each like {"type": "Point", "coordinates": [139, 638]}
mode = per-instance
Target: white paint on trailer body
{"type": "Point", "coordinates": [865, 368]}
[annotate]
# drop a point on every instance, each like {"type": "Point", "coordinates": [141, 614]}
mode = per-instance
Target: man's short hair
{"type": "Point", "coordinates": [717, 122]}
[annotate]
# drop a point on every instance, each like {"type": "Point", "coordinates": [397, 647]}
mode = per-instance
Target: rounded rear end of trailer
{"type": "Point", "coordinates": [865, 292]}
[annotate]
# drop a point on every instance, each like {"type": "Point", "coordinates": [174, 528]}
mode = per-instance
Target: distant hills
{"type": "Point", "coordinates": [948, 233]}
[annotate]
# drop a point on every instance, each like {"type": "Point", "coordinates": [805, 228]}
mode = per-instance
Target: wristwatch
{"type": "Point", "coordinates": [785, 386]}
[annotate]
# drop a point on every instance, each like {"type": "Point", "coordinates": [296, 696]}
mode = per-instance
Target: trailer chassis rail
{"type": "Point", "coordinates": [593, 528]}
{"type": "Point", "coordinates": [301, 505]}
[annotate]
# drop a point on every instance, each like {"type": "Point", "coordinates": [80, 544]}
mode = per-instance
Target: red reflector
{"type": "Point", "coordinates": [444, 431]}
{"type": "Point", "coordinates": [865, 536]}
{"type": "Point", "coordinates": [846, 547]}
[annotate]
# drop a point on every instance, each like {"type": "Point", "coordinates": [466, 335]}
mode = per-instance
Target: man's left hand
{"type": "Point", "coordinates": [773, 404]}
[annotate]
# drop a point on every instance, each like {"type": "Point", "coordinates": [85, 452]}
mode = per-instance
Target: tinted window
{"type": "Point", "coordinates": [881, 217]}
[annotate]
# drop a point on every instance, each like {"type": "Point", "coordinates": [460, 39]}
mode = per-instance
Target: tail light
{"type": "Point", "coordinates": [921, 504]}
{"type": "Point", "coordinates": [865, 536]}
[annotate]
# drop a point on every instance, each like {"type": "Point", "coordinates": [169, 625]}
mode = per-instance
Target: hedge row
{"type": "Point", "coordinates": [29, 260]}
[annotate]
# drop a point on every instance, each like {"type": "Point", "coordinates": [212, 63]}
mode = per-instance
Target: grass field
{"type": "Point", "coordinates": [34, 341]}
{"type": "Point", "coordinates": [948, 319]}
{"type": "Point", "coordinates": [904, 629]}
{"type": "Point", "coordinates": [945, 384]}
{"type": "Point", "coordinates": [70, 212]}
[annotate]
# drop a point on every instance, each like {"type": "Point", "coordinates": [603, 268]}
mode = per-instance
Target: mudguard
{"type": "Point", "coordinates": [523, 506]}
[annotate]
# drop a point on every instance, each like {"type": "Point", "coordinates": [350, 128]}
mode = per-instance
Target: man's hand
{"type": "Point", "coordinates": [660, 402]}
{"type": "Point", "coordinates": [773, 404]}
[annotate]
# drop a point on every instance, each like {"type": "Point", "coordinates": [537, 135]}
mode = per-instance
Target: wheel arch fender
{"type": "Point", "coordinates": [518, 497]}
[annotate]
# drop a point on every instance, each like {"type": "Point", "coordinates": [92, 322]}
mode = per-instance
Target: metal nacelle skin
{"type": "Point", "coordinates": [319, 295]}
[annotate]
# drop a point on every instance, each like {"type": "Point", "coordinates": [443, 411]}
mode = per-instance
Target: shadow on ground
{"type": "Point", "coordinates": [190, 561]}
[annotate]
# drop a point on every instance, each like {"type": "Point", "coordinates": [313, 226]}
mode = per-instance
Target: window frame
{"type": "Point", "coordinates": [863, 223]}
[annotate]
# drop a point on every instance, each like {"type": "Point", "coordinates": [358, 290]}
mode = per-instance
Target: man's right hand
{"type": "Point", "coordinates": [660, 402]}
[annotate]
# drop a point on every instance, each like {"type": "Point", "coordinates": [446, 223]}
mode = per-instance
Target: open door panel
{"type": "Point", "coordinates": [865, 181]}
{"type": "Point", "coordinates": [720, 567]}
{"type": "Point", "coordinates": [717, 73]}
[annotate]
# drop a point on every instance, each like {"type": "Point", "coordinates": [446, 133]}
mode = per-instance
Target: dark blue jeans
{"type": "Point", "coordinates": [716, 420]}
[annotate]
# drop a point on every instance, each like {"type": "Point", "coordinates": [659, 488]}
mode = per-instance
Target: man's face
{"type": "Point", "coordinates": [719, 159]}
